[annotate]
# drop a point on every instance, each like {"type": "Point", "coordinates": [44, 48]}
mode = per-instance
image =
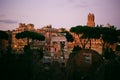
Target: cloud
{"type": "Point", "coordinates": [78, 3]}
{"type": "Point", "coordinates": [70, 0]}
{"type": "Point", "coordinates": [81, 5]}
{"type": "Point", "coordinates": [2, 15]}
{"type": "Point", "coordinates": [8, 21]}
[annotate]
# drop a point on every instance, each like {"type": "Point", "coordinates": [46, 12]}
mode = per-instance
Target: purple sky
{"type": "Point", "coordinates": [58, 13]}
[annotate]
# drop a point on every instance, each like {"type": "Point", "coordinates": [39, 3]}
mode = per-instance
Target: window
{"type": "Point", "coordinates": [87, 57]}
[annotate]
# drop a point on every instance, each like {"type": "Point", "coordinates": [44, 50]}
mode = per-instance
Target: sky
{"type": "Point", "coordinates": [58, 13]}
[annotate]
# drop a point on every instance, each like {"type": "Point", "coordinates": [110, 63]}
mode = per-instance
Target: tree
{"type": "Point", "coordinates": [109, 36]}
{"type": "Point", "coordinates": [118, 48]}
{"type": "Point", "coordinates": [76, 48]}
{"type": "Point", "coordinates": [108, 71]}
{"type": "Point", "coordinates": [68, 36]}
{"type": "Point", "coordinates": [91, 33]}
{"type": "Point", "coordinates": [85, 34]}
{"type": "Point", "coordinates": [30, 35]}
{"type": "Point", "coordinates": [3, 35]}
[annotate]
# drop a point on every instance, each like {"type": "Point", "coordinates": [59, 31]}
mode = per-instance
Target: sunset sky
{"type": "Point", "coordinates": [58, 13]}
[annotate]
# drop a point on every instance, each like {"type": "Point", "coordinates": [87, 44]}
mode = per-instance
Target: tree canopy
{"type": "Point", "coordinates": [107, 35]}
{"type": "Point", "coordinates": [30, 35]}
{"type": "Point", "coordinates": [3, 35]}
{"type": "Point", "coordinates": [85, 34]}
{"type": "Point", "coordinates": [68, 36]}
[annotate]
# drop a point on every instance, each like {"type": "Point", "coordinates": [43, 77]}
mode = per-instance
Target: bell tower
{"type": "Point", "coordinates": [91, 19]}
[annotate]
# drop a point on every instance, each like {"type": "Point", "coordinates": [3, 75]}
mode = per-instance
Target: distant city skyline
{"type": "Point", "coordinates": [58, 13]}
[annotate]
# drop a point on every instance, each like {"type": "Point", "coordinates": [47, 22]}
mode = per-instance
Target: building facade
{"type": "Point", "coordinates": [18, 44]}
{"type": "Point", "coordinates": [59, 48]}
{"type": "Point", "coordinates": [55, 44]}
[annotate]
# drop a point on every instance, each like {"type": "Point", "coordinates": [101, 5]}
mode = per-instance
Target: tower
{"type": "Point", "coordinates": [91, 19]}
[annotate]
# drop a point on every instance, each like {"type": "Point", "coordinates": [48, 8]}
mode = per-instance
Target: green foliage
{"type": "Point", "coordinates": [109, 54]}
{"type": "Point", "coordinates": [108, 71]}
{"type": "Point", "coordinates": [26, 67]}
{"type": "Point", "coordinates": [40, 53]}
{"type": "Point", "coordinates": [78, 29]}
{"type": "Point", "coordinates": [91, 33]}
{"type": "Point", "coordinates": [29, 34]}
{"type": "Point", "coordinates": [118, 48]}
{"type": "Point", "coordinates": [76, 48]}
{"type": "Point", "coordinates": [26, 48]}
{"type": "Point", "coordinates": [68, 36]}
{"type": "Point", "coordinates": [87, 33]}
{"type": "Point", "coordinates": [3, 35]}
{"type": "Point", "coordinates": [9, 49]}
{"type": "Point", "coordinates": [109, 35]}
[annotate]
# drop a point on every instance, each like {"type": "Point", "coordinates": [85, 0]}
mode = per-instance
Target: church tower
{"type": "Point", "coordinates": [91, 19]}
